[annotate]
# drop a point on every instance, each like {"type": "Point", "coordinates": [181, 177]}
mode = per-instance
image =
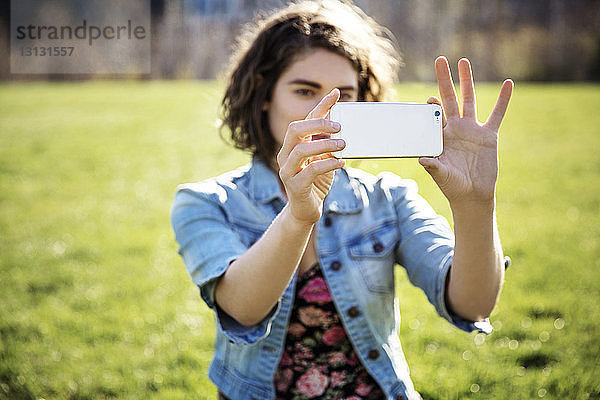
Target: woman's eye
{"type": "Point", "coordinates": [304, 92]}
{"type": "Point", "coordinates": [346, 97]}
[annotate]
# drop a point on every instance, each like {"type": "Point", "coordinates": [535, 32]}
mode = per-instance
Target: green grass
{"type": "Point", "coordinates": [95, 302]}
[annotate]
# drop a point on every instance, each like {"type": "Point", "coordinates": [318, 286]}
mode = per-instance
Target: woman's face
{"type": "Point", "coordinates": [301, 87]}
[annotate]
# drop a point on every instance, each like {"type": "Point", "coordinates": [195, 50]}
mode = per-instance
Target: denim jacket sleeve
{"type": "Point", "coordinates": [208, 244]}
{"type": "Point", "coordinates": [426, 248]}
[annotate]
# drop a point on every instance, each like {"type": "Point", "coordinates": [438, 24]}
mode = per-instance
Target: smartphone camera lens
{"type": "Point", "coordinates": [437, 113]}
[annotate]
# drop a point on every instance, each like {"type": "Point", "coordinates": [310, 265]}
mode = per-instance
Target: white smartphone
{"type": "Point", "coordinates": [383, 130]}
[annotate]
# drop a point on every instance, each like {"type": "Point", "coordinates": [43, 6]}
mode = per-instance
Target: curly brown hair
{"type": "Point", "coordinates": [271, 44]}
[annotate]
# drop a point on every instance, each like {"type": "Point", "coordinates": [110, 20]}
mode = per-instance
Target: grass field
{"type": "Point", "coordinates": [95, 302]}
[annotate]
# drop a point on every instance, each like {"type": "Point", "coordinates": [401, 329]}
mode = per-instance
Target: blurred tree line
{"type": "Point", "coordinates": [539, 40]}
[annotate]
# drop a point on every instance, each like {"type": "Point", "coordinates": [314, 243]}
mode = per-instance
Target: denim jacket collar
{"type": "Point", "coordinates": [263, 183]}
{"type": "Point", "coordinates": [343, 197]}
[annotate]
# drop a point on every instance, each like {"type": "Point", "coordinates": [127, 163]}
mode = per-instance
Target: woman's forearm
{"type": "Point", "coordinates": [477, 271]}
{"type": "Point", "coordinates": [254, 282]}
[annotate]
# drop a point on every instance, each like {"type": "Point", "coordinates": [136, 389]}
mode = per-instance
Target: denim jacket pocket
{"type": "Point", "coordinates": [373, 252]}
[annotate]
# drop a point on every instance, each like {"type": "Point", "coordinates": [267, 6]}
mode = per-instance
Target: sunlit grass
{"type": "Point", "coordinates": [95, 302]}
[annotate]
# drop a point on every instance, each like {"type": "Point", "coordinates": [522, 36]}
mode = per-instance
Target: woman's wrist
{"type": "Point", "coordinates": [294, 223]}
{"type": "Point", "coordinates": [473, 209]}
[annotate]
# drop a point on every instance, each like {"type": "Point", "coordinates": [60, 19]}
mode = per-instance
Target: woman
{"type": "Point", "coordinates": [296, 254]}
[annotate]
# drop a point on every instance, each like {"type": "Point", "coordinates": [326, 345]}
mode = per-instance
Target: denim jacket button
{"type": "Point", "coordinates": [336, 265]}
{"type": "Point", "coordinates": [353, 312]}
{"type": "Point", "coordinates": [373, 354]}
{"type": "Point", "coordinates": [400, 397]}
{"type": "Point", "coordinates": [377, 247]}
{"type": "Point", "coordinates": [327, 221]}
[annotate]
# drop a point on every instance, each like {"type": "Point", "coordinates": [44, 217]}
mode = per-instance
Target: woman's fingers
{"type": "Point", "coordinates": [442, 71]}
{"type": "Point", "coordinates": [321, 109]}
{"type": "Point", "coordinates": [303, 151]}
{"type": "Point", "coordinates": [307, 176]}
{"type": "Point", "coordinates": [495, 118]}
{"type": "Point", "coordinates": [298, 130]}
{"type": "Point", "coordinates": [314, 123]}
{"type": "Point", "coordinates": [431, 164]}
{"type": "Point", "coordinates": [467, 93]}
{"type": "Point", "coordinates": [435, 100]}
{"type": "Point", "coordinates": [467, 90]}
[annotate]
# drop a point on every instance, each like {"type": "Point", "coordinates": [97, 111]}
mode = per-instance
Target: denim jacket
{"type": "Point", "coordinates": [369, 224]}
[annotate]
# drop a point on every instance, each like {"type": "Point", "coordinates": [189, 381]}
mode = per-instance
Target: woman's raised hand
{"type": "Point", "coordinates": [467, 169]}
{"type": "Point", "coordinates": [306, 167]}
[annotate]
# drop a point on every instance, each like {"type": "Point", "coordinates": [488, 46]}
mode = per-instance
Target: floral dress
{"type": "Point", "coordinates": [318, 360]}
